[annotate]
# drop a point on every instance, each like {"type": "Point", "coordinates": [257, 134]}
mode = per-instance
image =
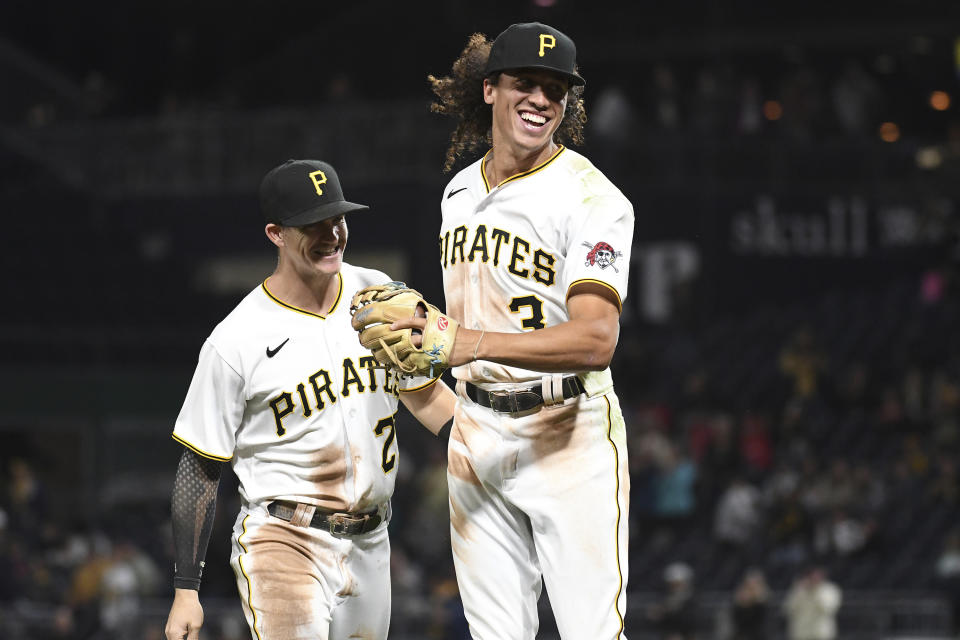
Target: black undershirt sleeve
{"type": "Point", "coordinates": [193, 505]}
{"type": "Point", "coordinates": [444, 433]}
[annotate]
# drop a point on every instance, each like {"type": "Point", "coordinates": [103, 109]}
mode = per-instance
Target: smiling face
{"type": "Point", "coordinates": [312, 250]}
{"type": "Point", "coordinates": [528, 106]}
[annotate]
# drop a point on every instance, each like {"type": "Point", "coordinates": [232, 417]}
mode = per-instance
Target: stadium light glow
{"type": "Point", "coordinates": [928, 158]}
{"type": "Point", "coordinates": [772, 110]}
{"type": "Point", "coordinates": [940, 100]}
{"type": "Point", "coordinates": [889, 132]}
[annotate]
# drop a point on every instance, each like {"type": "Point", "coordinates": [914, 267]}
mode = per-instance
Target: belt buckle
{"type": "Point", "coordinates": [511, 401]}
{"type": "Point", "coordinates": [532, 400]}
{"type": "Point", "coordinates": [337, 524]}
{"type": "Point", "coordinates": [506, 406]}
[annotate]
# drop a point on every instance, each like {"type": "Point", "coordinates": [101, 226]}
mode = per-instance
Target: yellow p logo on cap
{"type": "Point", "coordinates": [547, 41]}
{"type": "Point", "coordinates": [319, 178]}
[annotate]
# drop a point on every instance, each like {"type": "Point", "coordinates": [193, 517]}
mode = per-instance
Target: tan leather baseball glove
{"type": "Point", "coordinates": [376, 307]}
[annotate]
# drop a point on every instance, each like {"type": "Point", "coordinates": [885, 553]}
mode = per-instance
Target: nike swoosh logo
{"type": "Point", "coordinates": [455, 192]}
{"type": "Point", "coordinates": [273, 352]}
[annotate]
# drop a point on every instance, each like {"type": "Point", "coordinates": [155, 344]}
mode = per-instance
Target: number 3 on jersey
{"type": "Point", "coordinates": [535, 319]}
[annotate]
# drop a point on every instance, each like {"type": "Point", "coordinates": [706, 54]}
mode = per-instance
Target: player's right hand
{"type": "Point", "coordinates": [186, 616]}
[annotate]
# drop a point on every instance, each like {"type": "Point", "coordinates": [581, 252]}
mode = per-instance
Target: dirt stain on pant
{"type": "Point", "coordinates": [286, 584]}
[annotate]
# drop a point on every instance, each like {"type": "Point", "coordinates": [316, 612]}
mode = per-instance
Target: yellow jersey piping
{"type": "Point", "coordinates": [600, 282]}
{"type": "Point", "coordinates": [253, 611]}
{"type": "Point", "coordinates": [425, 385]}
{"type": "Point", "coordinates": [333, 307]}
{"type": "Point", "coordinates": [517, 176]}
{"type": "Point", "coordinates": [200, 451]}
{"type": "Point", "coordinates": [616, 497]}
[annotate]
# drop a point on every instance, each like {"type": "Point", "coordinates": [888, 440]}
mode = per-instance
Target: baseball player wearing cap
{"type": "Point", "coordinates": [284, 392]}
{"type": "Point", "coordinates": [535, 248]}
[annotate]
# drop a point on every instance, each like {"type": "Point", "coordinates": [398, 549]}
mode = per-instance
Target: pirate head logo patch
{"type": "Point", "coordinates": [602, 255]}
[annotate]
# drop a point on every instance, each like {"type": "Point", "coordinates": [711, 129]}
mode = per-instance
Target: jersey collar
{"type": "Point", "coordinates": [333, 307]}
{"type": "Point", "coordinates": [517, 176]}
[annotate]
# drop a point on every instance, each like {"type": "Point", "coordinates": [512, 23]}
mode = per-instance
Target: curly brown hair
{"type": "Point", "coordinates": [461, 95]}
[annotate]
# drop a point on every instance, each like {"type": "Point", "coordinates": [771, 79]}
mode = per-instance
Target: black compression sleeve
{"type": "Point", "coordinates": [193, 505]}
{"type": "Point", "coordinates": [444, 433]}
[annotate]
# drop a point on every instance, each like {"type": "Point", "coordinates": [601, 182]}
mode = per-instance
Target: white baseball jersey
{"type": "Point", "coordinates": [511, 253]}
{"type": "Point", "coordinates": [295, 402]}
{"type": "Point", "coordinates": [542, 494]}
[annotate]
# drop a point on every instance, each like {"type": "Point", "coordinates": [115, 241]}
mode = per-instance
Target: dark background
{"type": "Point", "coordinates": [132, 141]}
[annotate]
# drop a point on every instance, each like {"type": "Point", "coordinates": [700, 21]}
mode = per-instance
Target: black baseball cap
{"type": "Point", "coordinates": [537, 46]}
{"type": "Point", "coordinates": [301, 192]}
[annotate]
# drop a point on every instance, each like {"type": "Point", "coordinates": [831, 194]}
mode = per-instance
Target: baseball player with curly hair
{"type": "Point", "coordinates": [305, 416]}
{"type": "Point", "coordinates": [535, 248]}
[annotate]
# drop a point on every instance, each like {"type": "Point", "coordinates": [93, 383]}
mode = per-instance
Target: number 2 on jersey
{"type": "Point", "coordinates": [388, 458]}
{"type": "Point", "coordinates": [535, 319]}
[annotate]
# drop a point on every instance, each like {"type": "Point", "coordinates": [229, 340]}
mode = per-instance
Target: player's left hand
{"type": "Point", "coordinates": [387, 318]}
{"type": "Point", "coordinates": [186, 616]}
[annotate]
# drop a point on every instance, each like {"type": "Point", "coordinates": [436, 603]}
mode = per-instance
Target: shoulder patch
{"type": "Point", "coordinates": [602, 255]}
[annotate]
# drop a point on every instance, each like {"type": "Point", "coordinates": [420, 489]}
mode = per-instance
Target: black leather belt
{"type": "Point", "coordinates": [338, 523]}
{"type": "Point", "coordinates": [518, 400]}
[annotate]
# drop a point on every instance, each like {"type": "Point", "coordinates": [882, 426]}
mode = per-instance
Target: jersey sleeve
{"type": "Point", "coordinates": [598, 250]}
{"type": "Point", "coordinates": [212, 409]}
{"type": "Point", "coordinates": [416, 383]}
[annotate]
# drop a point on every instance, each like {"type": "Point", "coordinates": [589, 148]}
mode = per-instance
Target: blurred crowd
{"type": "Point", "coordinates": [62, 579]}
{"type": "Point", "coordinates": [769, 451]}
{"type": "Point", "coordinates": [795, 95]}
{"type": "Point", "coordinates": [796, 92]}
{"type": "Point", "coordinates": [772, 452]}
{"type": "Point", "coordinates": [721, 99]}
{"type": "Point", "coordinates": [837, 458]}
{"type": "Point", "coordinates": [842, 458]}
{"type": "Point", "coordinates": [73, 581]}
